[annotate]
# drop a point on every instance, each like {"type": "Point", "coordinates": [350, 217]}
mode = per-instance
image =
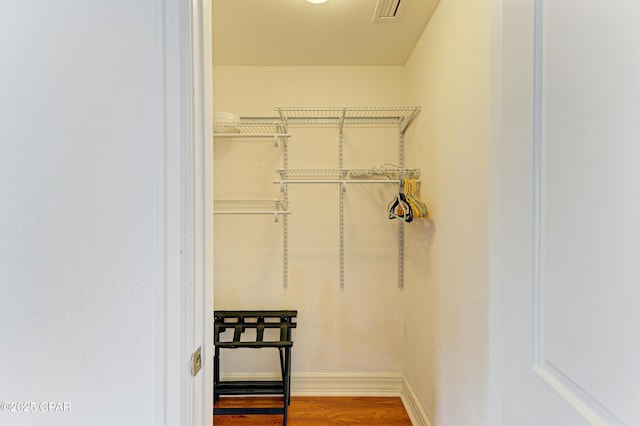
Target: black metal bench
{"type": "Point", "coordinates": [239, 322]}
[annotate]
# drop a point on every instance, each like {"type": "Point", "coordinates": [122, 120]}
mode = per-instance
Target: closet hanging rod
{"type": "Point", "coordinates": [341, 181]}
{"type": "Point", "coordinates": [277, 204]}
{"type": "Point", "coordinates": [252, 212]}
{"type": "Point", "coordinates": [252, 135]}
{"type": "Point", "coordinates": [279, 207]}
{"type": "Point", "coordinates": [374, 173]}
{"type": "Point", "coordinates": [249, 201]}
{"type": "Point", "coordinates": [276, 213]}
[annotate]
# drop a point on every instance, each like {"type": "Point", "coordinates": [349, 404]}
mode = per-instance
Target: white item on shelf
{"type": "Point", "coordinates": [225, 122]}
{"type": "Point", "coordinates": [227, 117]}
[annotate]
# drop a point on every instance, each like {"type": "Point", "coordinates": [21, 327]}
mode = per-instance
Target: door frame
{"type": "Point", "coordinates": [184, 213]}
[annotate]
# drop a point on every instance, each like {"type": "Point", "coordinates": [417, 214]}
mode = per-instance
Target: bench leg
{"type": "Point", "coordinates": [285, 358]}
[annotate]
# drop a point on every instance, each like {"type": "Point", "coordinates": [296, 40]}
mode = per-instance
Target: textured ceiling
{"type": "Point", "coordinates": [296, 32]}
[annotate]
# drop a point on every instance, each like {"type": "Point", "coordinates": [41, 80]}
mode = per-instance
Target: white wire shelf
{"type": "Point", "coordinates": [344, 176]}
{"type": "Point", "coordinates": [251, 207]}
{"type": "Point", "coordinates": [370, 174]}
{"type": "Point", "coordinates": [248, 128]}
{"type": "Point", "coordinates": [348, 116]}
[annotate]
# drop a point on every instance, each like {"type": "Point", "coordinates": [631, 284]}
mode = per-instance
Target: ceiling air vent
{"type": "Point", "coordinates": [386, 11]}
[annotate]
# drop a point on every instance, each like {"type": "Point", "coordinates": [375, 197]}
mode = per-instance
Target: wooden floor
{"type": "Point", "coordinates": [319, 411]}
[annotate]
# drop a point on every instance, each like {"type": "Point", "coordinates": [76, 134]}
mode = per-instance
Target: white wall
{"type": "Point", "coordinates": [354, 330]}
{"type": "Point", "coordinates": [446, 295]}
{"type": "Point", "coordinates": [442, 313]}
{"type": "Point", "coordinates": [77, 223]}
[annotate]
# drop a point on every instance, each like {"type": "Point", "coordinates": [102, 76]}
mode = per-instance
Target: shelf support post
{"type": "Point", "coordinates": [400, 223]}
{"type": "Point", "coordinates": [342, 190]}
{"type": "Point", "coordinates": [285, 224]}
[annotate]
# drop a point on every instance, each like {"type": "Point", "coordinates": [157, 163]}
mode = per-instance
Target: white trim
{"type": "Point", "coordinates": [208, 207]}
{"type": "Point", "coordinates": [412, 405]}
{"type": "Point", "coordinates": [169, 406]}
{"type": "Point", "coordinates": [335, 384]}
{"type": "Point", "coordinates": [579, 399]}
{"type": "Point", "coordinates": [174, 391]}
{"type": "Point", "coordinates": [201, 175]}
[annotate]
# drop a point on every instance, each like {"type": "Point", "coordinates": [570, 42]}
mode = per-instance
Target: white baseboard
{"type": "Point", "coordinates": [413, 407]}
{"type": "Point", "coordinates": [334, 384]}
{"type": "Point", "coordinates": [357, 384]}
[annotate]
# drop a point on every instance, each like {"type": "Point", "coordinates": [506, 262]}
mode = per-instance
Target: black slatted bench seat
{"type": "Point", "coordinates": [239, 322]}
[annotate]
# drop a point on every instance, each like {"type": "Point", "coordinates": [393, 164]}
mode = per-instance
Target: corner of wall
{"type": "Point", "coordinates": [412, 405]}
{"type": "Point", "coordinates": [447, 280]}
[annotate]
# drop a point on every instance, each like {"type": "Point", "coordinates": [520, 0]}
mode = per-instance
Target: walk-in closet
{"type": "Point", "coordinates": [328, 182]}
{"type": "Point", "coordinates": [311, 228]}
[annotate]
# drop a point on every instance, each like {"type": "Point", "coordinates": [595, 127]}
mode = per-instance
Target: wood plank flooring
{"type": "Point", "coordinates": [319, 411]}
